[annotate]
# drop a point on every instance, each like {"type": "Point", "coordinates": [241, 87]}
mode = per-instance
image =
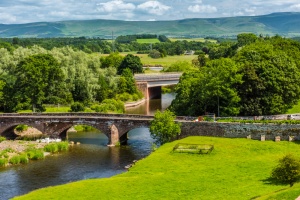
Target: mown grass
{"type": "Point", "coordinates": [235, 169]}
{"type": "Point", "coordinates": [166, 61]}
{"type": "Point", "coordinates": [148, 41]}
{"type": "Point", "coordinates": [294, 109]}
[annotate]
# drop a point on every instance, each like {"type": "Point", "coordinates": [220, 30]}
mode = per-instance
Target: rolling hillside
{"type": "Point", "coordinates": [286, 24]}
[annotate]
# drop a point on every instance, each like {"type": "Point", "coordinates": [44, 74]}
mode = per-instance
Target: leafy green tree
{"type": "Point", "coordinates": [163, 128]}
{"type": "Point", "coordinates": [271, 79]}
{"type": "Point", "coordinates": [287, 171]}
{"type": "Point", "coordinates": [246, 38]}
{"type": "Point", "coordinates": [112, 60]}
{"type": "Point", "coordinates": [35, 75]}
{"type": "Point", "coordinates": [127, 82]}
{"type": "Point", "coordinates": [131, 62]}
{"type": "Point", "coordinates": [211, 89]}
{"type": "Point", "coordinates": [103, 91]}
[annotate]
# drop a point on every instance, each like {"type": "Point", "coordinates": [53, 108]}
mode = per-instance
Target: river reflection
{"type": "Point", "coordinates": [91, 159]}
{"type": "Point", "coordinates": [149, 107]}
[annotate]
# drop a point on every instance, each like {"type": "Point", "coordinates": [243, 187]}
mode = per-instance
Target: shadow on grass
{"type": "Point", "coordinates": [272, 181]}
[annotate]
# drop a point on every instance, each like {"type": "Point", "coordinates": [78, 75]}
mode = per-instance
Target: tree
{"type": "Point", "coordinates": [211, 89]}
{"type": "Point", "coordinates": [131, 62]}
{"type": "Point", "coordinates": [37, 76]}
{"type": "Point", "coordinates": [246, 38]}
{"type": "Point", "coordinates": [127, 82]}
{"type": "Point", "coordinates": [163, 128]}
{"type": "Point", "coordinates": [113, 60]}
{"type": "Point", "coordinates": [287, 171]}
{"type": "Point", "coordinates": [271, 79]}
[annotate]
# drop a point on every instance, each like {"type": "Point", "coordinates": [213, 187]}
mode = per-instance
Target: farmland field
{"type": "Point", "coordinates": [193, 39]}
{"type": "Point", "coordinates": [148, 41]}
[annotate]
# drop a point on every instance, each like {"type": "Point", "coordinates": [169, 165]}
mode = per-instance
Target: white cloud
{"type": "Point", "coordinates": [116, 6]}
{"type": "Point", "coordinates": [202, 9]}
{"type": "Point", "coordinates": [295, 7]}
{"type": "Point", "coordinates": [198, 1]}
{"type": "Point", "coordinates": [153, 7]}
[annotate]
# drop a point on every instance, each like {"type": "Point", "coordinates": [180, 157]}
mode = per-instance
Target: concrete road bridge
{"type": "Point", "coordinates": [150, 84]}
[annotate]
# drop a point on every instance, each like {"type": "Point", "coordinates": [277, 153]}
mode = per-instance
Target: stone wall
{"type": "Point", "coordinates": [240, 130]}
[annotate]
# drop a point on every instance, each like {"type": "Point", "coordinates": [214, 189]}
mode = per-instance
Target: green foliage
{"type": "Point", "coordinates": [155, 54]}
{"type": "Point", "coordinates": [52, 148]}
{"type": "Point", "coordinates": [288, 170]}
{"type": "Point", "coordinates": [131, 62]}
{"type": "Point", "coordinates": [2, 139]}
{"type": "Point", "coordinates": [77, 107]}
{"type": "Point", "coordinates": [15, 160]}
{"type": "Point", "coordinates": [271, 83]}
{"type": "Point", "coordinates": [163, 128]}
{"type": "Point", "coordinates": [246, 38]}
{"type": "Point", "coordinates": [21, 127]}
{"type": "Point", "coordinates": [56, 147]}
{"type": "Point", "coordinates": [24, 158]}
{"type": "Point", "coordinates": [83, 128]}
{"type": "Point", "coordinates": [109, 106]}
{"type": "Point", "coordinates": [35, 154]}
{"type": "Point", "coordinates": [3, 162]}
{"type": "Point", "coordinates": [113, 60]}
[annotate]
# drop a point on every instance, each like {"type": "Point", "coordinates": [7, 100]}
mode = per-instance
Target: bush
{"type": "Point", "coordinates": [287, 171]}
{"type": "Point", "coordinates": [24, 159]}
{"type": "Point", "coordinates": [21, 128]}
{"type": "Point", "coordinates": [2, 139]}
{"type": "Point", "coordinates": [35, 154]}
{"type": "Point", "coordinates": [3, 162]}
{"type": "Point", "coordinates": [63, 146]}
{"type": "Point", "coordinates": [15, 160]}
{"type": "Point", "coordinates": [52, 148]}
{"type": "Point", "coordinates": [77, 107]}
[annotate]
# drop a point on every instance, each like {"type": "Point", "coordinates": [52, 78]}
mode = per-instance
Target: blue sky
{"type": "Point", "coordinates": [26, 11]}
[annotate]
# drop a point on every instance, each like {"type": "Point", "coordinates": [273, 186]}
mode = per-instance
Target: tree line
{"type": "Point", "coordinates": [254, 76]}
{"type": "Point", "coordinates": [33, 77]}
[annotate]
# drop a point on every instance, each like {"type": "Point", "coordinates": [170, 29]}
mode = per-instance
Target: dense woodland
{"type": "Point", "coordinates": [252, 75]}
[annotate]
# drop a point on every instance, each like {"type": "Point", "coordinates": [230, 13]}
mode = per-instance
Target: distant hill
{"type": "Point", "coordinates": [285, 24]}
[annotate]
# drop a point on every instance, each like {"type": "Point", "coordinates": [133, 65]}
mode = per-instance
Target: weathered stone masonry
{"type": "Point", "coordinates": [240, 130]}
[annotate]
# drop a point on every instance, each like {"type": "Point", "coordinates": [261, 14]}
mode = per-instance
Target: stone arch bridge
{"type": "Point", "coordinates": [114, 126]}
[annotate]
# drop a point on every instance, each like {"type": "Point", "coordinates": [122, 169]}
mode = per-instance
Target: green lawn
{"type": "Point", "coordinates": [235, 169]}
{"type": "Point", "coordinates": [166, 61]}
{"type": "Point", "coordinates": [294, 109]}
{"type": "Point", "coordinates": [148, 41]}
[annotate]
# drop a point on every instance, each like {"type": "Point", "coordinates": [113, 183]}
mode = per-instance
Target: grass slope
{"type": "Point", "coordinates": [286, 24]}
{"type": "Point", "coordinates": [236, 169]}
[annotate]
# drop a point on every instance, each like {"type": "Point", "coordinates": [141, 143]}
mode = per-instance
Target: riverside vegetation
{"type": "Point", "coordinates": [235, 169]}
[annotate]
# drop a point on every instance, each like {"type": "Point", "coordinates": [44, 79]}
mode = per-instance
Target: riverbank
{"type": "Point", "coordinates": [235, 169]}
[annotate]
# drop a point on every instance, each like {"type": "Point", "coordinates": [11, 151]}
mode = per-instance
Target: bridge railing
{"type": "Point", "coordinates": [77, 114]}
{"type": "Point", "coordinates": [154, 77]}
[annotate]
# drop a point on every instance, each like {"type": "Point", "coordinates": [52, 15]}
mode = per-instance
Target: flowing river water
{"type": "Point", "coordinates": [91, 159]}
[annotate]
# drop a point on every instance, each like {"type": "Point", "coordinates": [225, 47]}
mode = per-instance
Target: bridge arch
{"type": "Point", "coordinates": [8, 130]}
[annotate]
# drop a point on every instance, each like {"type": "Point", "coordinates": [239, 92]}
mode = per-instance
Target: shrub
{"type": "Point", "coordinates": [287, 171]}
{"type": "Point", "coordinates": [77, 107]}
{"type": "Point", "coordinates": [35, 154]}
{"type": "Point", "coordinates": [63, 146]}
{"type": "Point", "coordinates": [15, 160]}
{"type": "Point", "coordinates": [3, 162]}
{"type": "Point", "coordinates": [52, 148]}
{"type": "Point", "coordinates": [2, 139]}
{"type": "Point", "coordinates": [24, 159]}
{"type": "Point", "coordinates": [21, 128]}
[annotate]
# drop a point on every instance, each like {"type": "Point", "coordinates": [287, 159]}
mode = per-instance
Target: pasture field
{"type": "Point", "coordinates": [294, 109]}
{"type": "Point", "coordinates": [148, 41]}
{"type": "Point", "coordinates": [193, 39]}
{"type": "Point", "coordinates": [235, 169]}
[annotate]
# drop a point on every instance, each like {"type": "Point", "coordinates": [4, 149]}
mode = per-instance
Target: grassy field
{"type": "Point", "coordinates": [148, 41]}
{"type": "Point", "coordinates": [235, 169]}
{"type": "Point", "coordinates": [294, 109]}
{"type": "Point", "coordinates": [193, 39]}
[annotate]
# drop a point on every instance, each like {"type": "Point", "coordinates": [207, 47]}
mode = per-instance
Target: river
{"type": "Point", "coordinates": [91, 159]}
